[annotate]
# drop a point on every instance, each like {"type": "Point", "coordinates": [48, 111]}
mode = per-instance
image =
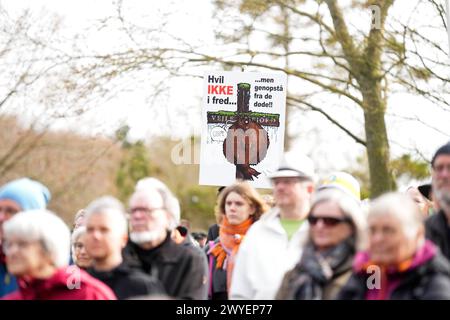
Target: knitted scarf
{"type": "Point", "coordinates": [315, 270]}
{"type": "Point", "coordinates": [230, 237]}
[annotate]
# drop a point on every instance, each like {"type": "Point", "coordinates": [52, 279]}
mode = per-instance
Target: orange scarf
{"type": "Point", "coordinates": [230, 237]}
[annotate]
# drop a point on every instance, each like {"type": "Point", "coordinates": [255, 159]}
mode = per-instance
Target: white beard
{"type": "Point", "coordinates": [443, 198]}
{"type": "Point", "coordinates": [145, 236]}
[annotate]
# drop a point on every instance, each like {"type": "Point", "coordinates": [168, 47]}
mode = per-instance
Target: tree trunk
{"type": "Point", "coordinates": [376, 138]}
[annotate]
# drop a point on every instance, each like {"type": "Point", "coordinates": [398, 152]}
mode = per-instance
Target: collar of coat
{"type": "Point", "coordinates": [439, 222]}
{"type": "Point", "coordinates": [122, 268]}
{"type": "Point", "coordinates": [167, 252]}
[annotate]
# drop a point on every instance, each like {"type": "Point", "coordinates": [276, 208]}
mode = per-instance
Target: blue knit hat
{"type": "Point", "coordinates": [27, 193]}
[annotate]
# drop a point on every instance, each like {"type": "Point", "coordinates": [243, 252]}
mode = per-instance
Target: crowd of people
{"type": "Point", "coordinates": [306, 241]}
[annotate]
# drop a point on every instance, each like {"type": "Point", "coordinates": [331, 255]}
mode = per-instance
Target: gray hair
{"type": "Point", "coordinates": [349, 207]}
{"type": "Point", "coordinates": [78, 232]}
{"type": "Point", "coordinates": [402, 208]}
{"type": "Point", "coordinates": [80, 213]}
{"type": "Point", "coordinates": [170, 202]}
{"type": "Point", "coordinates": [43, 226]}
{"type": "Point", "coordinates": [112, 207]}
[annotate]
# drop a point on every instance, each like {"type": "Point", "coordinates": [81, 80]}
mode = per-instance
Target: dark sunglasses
{"type": "Point", "coordinates": [328, 221]}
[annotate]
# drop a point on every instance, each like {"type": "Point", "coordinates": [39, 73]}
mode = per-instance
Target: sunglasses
{"type": "Point", "coordinates": [328, 221]}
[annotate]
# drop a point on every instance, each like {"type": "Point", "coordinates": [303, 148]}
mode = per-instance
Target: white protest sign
{"type": "Point", "coordinates": [243, 123]}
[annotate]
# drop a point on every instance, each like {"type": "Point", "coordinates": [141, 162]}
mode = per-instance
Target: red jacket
{"type": "Point", "coordinates": [68, 283]}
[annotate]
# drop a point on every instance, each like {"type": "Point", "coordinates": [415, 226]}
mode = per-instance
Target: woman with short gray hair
{"type": "Point", "coordinates": [37, 244]}
{"type": "Point", "coordinates": [79, 254]}
{"type": "Point", "coordinates": [400, 264]}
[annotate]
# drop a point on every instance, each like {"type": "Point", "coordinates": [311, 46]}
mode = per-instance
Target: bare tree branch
{"type": "Point", "coordinates": [331, 119]}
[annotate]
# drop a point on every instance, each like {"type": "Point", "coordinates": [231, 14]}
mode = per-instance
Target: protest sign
{"type": "Point", "coordinates": [243, 127]}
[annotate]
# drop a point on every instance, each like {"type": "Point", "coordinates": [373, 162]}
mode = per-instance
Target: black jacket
{"type": "Point", "coordinates": [430, 281]}
{"type": "Point", "coordinates": [218, 277]}
{"type": "Point", "coordinates": [181, 269]}
{"type": "Point", "coordinates": [127, 282]}
{"type": "Point", "coordinates": [213, 232]}
{"type": "Point", "coordinates": [437, 230]}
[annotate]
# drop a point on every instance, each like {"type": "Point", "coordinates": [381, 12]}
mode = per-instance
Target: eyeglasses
{"type": "Point", "coordinates": [328, 221]}
{"type": "Point", "coordinates": [147, 211]}
{"type": "Point", "coordinates": [21, 245]}
{"type": "Point", "coordinates": [439, 168]}
{"type": "Point", "coordinates": [77, 246]}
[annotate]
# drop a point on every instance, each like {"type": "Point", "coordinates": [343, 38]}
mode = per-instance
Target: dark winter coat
{"type": "Point", "coordinates": [428, 278]}
{"type": "Point", "coordinates": [181, 269]}
{"type": "Point", "coordinates": [438, 231]}
{"type": "Point", "coordinates": [213, 232]}
{"type": "Point", "coordinates": [128, 283]}
{"type": "Point", "coordinates": [217, 277]}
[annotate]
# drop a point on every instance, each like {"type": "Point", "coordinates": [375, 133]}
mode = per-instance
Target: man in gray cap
{"type": "Point", "coordinates": [273, 244]}
{"type": "Point", "coordinates": [438, 225]}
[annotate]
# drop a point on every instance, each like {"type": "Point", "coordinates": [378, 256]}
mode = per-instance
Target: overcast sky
{"type": "Point", "coordinates": [194, 24]}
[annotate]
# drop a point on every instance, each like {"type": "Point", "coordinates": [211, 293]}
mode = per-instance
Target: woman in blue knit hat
{"type": "Point", "coordinates": [18, 195]}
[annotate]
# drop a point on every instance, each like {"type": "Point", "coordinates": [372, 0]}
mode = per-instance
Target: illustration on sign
{"type": "Point", "coordinates": [244, 117]}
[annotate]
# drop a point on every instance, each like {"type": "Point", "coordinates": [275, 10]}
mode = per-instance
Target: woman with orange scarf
{"type": "Point", "coordinates": [238, 207]}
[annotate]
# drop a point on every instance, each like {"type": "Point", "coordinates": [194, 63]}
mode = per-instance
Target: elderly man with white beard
{"type": "Point", "coordinates": [153, 214]}
{"type": "Point", "coordinates": [438, 225]}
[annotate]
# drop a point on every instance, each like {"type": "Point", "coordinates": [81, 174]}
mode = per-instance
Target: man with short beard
{"type": "Point", "coordinates": [106, 236]}
{"type": "Point", "coordinates": [438, 225]}
{"type": "Point", "coordinates": [181, 269]}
